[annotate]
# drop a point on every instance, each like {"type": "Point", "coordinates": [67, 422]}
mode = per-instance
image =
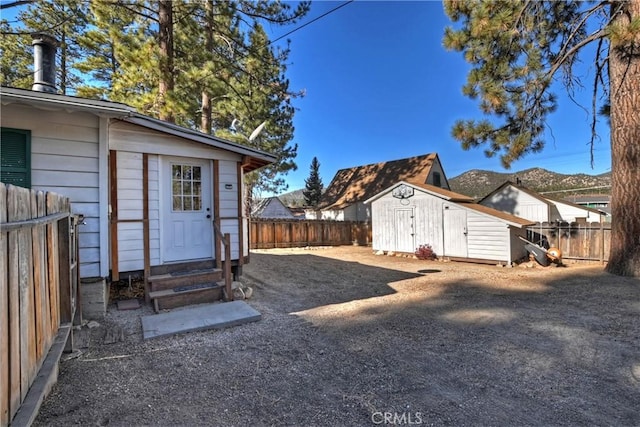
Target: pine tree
{"type": "Point", "coordinates": [517, 50]}
{"type": "Point", "coordinates": [313, 185]}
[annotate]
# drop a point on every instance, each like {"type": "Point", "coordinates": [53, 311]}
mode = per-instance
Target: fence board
{"type": "Point", "coordinates": [14, 305]}
{"type": "Point", "coordinates": [581, 241]}
{"type": "Point", "coordinates": [4, 314]}
{"type": "Point", "coordinates": [266, 234]}
{"type": "Point", "coordinates": [29, 274]}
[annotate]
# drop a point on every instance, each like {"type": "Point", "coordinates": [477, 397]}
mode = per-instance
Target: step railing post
{"type": "Point", "coordinates": [227, 266]}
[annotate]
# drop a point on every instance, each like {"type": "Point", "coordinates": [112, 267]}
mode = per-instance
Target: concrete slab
{"type": "Point", "coordinates": [199, 318]}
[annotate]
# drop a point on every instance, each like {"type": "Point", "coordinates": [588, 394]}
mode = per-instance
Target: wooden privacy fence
{"type": "Point", "coordinates": [38, 286]}
{"type": "Point", "coordinates": [576, 240]}
{"type": "Point", "coordinates": [268, 234]}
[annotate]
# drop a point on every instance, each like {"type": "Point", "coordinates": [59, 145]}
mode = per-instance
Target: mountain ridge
{"type": "Point", "coordinates": [477, 183]}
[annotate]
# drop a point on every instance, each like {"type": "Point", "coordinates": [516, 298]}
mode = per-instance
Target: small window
{"type": "Point", "coordinates": [15, 157]}
{"type": "Point", "coordinates": [186, 186]}
{"type": "Point", "coordinates": [436, 179]}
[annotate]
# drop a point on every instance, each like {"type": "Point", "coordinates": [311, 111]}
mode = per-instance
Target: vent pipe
{"type": "Point", "coordinates": [44, 62]}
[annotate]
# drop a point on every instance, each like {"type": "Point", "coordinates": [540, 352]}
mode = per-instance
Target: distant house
{"type": "Point", "coordinates": [344, 198]}
{"type": "Point", "coordinates": [406, 215]}
{"type": "Point", "coordinates": [525, 203]}
{"type": "Point", "coordinates": [600, 202]}
{"type": "Point", "coordinates": [272, 208]}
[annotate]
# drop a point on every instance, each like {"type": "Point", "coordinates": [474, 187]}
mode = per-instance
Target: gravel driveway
{"type": "Point", "coordinates": [350, 338]}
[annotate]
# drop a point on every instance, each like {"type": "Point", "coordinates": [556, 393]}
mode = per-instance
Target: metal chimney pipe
{"type": "Point", "coordinates": [44, 62]}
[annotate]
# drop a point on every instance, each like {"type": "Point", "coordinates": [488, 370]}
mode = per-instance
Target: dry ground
{"type": "Point", "coordinates": [349, 338]}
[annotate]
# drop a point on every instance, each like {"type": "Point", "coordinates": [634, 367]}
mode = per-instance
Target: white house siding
{"type": "Point", "coordinates": [518, 203]}
{"type": "Point", "coordinates": [572, 213]}
{"type": "Point", "coordinates": [127, 137]}
{"type": "Point", "coordinates": [154, 209]}
{"type": "Point", "coordinates": [487, 238]}
{"type": "Point", "coordinates": [130, 206]}
{"type": "Point", "coordinates": [437, 167]}
{"type": "Point", "coordinates": [229, 222]}
{"type": "Point", "coordinates": [64, 159]}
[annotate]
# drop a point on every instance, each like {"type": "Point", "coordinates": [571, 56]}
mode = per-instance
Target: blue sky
{"type": "Point", "coordinates": [380, 86]}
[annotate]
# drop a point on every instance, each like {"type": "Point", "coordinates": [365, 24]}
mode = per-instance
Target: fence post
{"type": "Point", "coordinates": [601, 241]}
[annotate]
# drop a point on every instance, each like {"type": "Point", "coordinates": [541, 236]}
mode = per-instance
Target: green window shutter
{"type": "Point", "coordinates": [15, 157]}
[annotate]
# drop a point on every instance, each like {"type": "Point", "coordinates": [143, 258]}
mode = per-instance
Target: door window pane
{"type": "Point", "coordinates": [186, 187]}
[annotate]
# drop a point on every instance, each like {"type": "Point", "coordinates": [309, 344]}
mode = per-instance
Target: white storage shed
{"type": "Point", "coordinates": [407, 215]}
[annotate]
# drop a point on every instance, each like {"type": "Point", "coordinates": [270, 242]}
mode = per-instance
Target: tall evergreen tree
{"type": "Point", "coordinates": [313, 185]}
{"type": "Point", "coordinates": [517, 50]}
{"type": "Point", "coordinates": [204, 64]}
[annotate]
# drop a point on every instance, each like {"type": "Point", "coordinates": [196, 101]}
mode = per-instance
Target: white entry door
{"type": "Point", "coordinates": [187, 209]}
{"type": "Point", "coordinates": [455, 231]}
{"type": "Point", "coordinates": [404, 231]}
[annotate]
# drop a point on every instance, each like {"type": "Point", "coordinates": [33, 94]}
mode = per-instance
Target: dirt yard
{"type": "Point", "coordinates": [350, 338]}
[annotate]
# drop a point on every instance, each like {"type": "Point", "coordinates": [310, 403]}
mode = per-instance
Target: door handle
{"type": "Point", "coordinates": [208, 216]}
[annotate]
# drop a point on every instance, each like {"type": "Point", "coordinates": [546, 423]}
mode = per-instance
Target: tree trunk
{"type": "Point", "coordinates": [165, 41]}
{"type": "Point", "coordinates": [205, 115]}
{"type": "Point", "coordinates": [624, 74]}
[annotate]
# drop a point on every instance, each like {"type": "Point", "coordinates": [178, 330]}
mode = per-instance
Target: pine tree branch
{"type": "Point", "coordinates": [15, 4]}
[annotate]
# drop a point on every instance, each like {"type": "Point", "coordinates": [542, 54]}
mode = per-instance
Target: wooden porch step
{"type": "Point", "coordinates": [184, 278]}
{"type": "Point", "coordinates": [179, 294]}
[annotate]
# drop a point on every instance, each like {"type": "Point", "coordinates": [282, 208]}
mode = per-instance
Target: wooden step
{"type": "Point", "coordinates": [184, 278]}
{"type": "Point", "coordinates": [179, 296]}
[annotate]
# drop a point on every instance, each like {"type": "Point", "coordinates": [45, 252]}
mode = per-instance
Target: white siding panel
{"type": "Point", "coordinates": [57, 146]}
{"type": "Point", "coordinates": [49, 162]}
{"type": "Point", "coordinates": [130, 206]}
{"type": "Point", "coordinates": [487, 238]}
{"type": "Point", "coordinates": [130, 137]}
{"type": "Point", "coordinates": [154, 210]}
{"type": "Point", "coordinates": [65, 160]}
{"type": "Point", "coordinates": [130, 247]}
{"type": "Point", "coordinates": [512, 200]}
{"type": "Point", "coordinates": [64, 177]}
{"type": "Point", "coordinates": [231, 226]}
{"type": "Point", "coordinates": [228, 175]}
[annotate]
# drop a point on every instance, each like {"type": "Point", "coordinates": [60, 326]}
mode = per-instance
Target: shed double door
{"type": "Point", "coordinates": [455, 231]}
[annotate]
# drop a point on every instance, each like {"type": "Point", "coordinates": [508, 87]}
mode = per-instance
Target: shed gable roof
{"type": "Point", "coordinates": [460, 200]}
{"type": "Point", "coordinates": [360, 183]}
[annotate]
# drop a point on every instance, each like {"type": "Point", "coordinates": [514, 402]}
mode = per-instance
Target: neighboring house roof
{"type": "Point", "coordinates": [254, 158]}
{"type": "Point", "coordinates": [544, 199]}
{"type": "Point", "coordinates": [271, 207]}
{"type": "Point", "coordinates": [523, 189]}
{"type": "Point", "coordinates": [360, 183]}
{"type": "Point", "coordinates": [564, 202]}
{"type": "Point", "coordinates": [459, 200]}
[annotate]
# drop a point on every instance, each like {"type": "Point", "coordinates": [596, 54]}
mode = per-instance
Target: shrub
{"type": "Point", "coordinates": [425, 252]}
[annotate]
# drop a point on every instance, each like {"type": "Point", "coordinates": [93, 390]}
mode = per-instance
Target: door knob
{"type": "Point", "coordinates": [208, 216]}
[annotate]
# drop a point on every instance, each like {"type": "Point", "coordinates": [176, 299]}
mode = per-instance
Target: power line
{"type": "Point", "coordinates": [311, 22]}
